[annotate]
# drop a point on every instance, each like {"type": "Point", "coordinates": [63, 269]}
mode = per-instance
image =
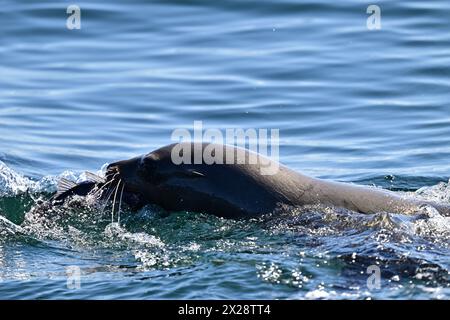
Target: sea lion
{"type": "Point", "coordinates": [237, 190]}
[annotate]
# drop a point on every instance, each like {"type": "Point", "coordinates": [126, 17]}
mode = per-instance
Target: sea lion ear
{"type": "Point", "coordinates": [194, 173]}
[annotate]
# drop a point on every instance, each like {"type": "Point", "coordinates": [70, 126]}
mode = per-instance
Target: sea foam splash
{"type": "Point", "coordinates": [13, 183]}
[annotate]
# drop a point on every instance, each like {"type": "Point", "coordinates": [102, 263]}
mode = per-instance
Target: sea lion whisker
{"type": "Point", "coordinates": [120, 202]}
{"type": "Point", "coordinates": [110, 191]}
{"type": "Point", "coordinates": [114, 201]}
{"type": "Point", "coordinates": [109, 194]}
{"type": "Point", "coordinates": [102, 187]}
{"type": "Point", "coordinates": [97, 192]}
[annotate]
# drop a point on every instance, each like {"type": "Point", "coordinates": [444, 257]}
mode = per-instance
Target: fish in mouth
{"type": "Point", "coordinates": [110, 187]}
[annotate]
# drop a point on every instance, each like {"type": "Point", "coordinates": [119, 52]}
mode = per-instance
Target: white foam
{"type": "Point", "coordinates": [12, 183]}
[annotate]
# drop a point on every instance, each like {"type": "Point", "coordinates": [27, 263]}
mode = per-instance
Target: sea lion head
{"type": "Point", "coordinates": [157, 179]}
{"type": "Point", "coordinates": [125, 177]}
{"type": "Point", "coordinates": [141, 177]}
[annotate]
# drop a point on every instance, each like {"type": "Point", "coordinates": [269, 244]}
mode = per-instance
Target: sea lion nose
{"type": "Point", "coordinates": [124, 168]}
{"type": "Point", "coordinates": [112, 169]}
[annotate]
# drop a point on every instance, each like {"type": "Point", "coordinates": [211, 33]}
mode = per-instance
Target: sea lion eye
{"type": "Point", "coordinates": [148, 163]}
{"type": "Point", "coordinates": [148, 168]}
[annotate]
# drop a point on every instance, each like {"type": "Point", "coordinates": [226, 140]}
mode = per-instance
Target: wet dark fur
{"type": "Point", "coordinates": [232, 190]}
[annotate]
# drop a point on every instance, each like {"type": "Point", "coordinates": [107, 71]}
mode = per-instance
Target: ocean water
{"type": "Point", "coordinates": [352, 104]}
